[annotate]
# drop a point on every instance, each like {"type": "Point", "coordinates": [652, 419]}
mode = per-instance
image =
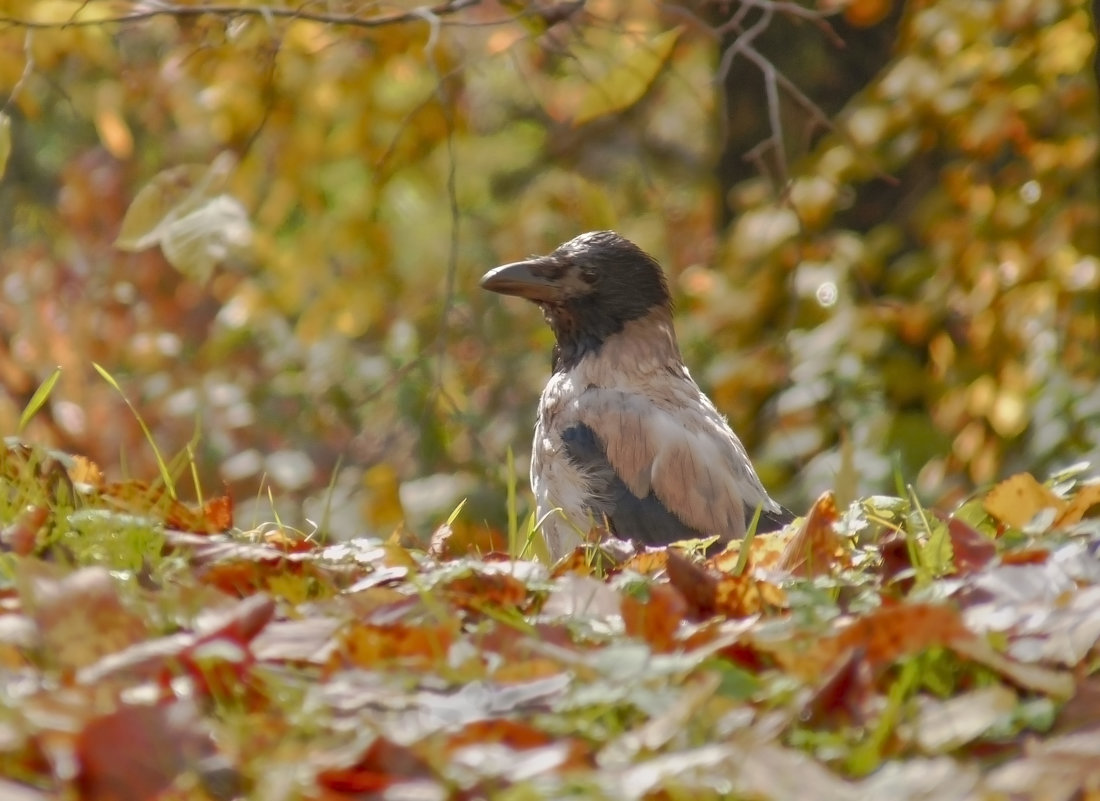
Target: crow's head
{"type": "Point", "coordinates": [589, 289]}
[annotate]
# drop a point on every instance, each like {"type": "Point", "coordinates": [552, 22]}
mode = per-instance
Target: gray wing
{"type": "Point", "coordinates": [645, 519]}
{"type": "Point", "coordinates": [667, 474]}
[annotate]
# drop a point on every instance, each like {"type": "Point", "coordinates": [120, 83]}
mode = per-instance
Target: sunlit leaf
{"type": "Point", "coordinates": [196, 226]}
{"type": "Point", "coordinates": [628, 80]}
{"type": "Point", "coordinates": [5, 141]}
{"type": "Point", "coordinates": [39, 398]}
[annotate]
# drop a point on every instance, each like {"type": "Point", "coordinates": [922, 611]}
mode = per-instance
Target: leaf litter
{"type": "Point", "coordinates": [862, 652]}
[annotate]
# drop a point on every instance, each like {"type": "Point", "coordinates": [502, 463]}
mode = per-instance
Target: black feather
{"type": "Point", "coordinates": [769, 521]}
{"type": "Point", "coordinates": [644, 520]}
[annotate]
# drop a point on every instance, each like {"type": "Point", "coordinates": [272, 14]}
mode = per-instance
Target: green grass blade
{"type": "Point", "coordinates": [162, 466]}
{"type": "Point", "coordinates": [38, 399]}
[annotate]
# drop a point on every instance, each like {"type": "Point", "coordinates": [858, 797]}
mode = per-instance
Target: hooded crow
{"type": "Point", "coordinates": [624, 437]}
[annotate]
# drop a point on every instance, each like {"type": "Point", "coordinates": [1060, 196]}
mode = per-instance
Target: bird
{"type": "Point", "coordinates": [624, 437]}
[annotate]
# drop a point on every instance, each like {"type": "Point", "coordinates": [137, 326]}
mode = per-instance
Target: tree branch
{"type": "Point", "coordinates": [166, 9]}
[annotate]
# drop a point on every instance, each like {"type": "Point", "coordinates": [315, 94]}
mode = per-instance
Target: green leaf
{"type": "Point", "coordinates": [627, 83]}
{"type": "Point", "coordinates": [39, 398]}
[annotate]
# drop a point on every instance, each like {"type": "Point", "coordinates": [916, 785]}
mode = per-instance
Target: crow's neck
{"type": "Point", "coordinates": [643, 345]}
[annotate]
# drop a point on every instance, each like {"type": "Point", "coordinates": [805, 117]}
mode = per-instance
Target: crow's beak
{"type": "Point", "coordinates": [521, 279]}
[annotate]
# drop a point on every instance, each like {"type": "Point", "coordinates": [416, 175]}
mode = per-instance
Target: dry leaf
{"type": "Point", "coordinates": [816, 549]}
{"type": "Point", "coordinates": [657, 618]}
{"type": "Point", "coordinates": [1016, 500]}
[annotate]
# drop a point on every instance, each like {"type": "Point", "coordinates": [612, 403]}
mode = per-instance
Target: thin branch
{"type": "Point", "coordinates": [28, 68]}
{"type": "Point", "coordinates": [266, 12]}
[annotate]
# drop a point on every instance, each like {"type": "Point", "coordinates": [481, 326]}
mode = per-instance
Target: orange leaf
{"type": "Point", "coordinates": [383, 764]}
{"type": "Point", "coordinates": [648, 563]}
{"type": "Point", "coordinates": [657, 619]}
{"type": "Point", "coordinates": [369, 645]}
{"type": "Point", "coordinates": [512, 733]}
{"type": "Point", "coordinates": [1086, 498]}
{"type": "Point", "coordinates": [894, 631]}
{"type": "Point", "coordinates": [486, 589]}
{"type": "Point", "coordinates": [765, 551]}
{"type": "Point", "coordinates": [816, 548]}
{"type": "Point", "coordinates": [85, 471]}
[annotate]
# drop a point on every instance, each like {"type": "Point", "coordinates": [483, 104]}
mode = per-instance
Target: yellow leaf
{"type": "Point", "coordinates": [5, 141]}
{"type": "Point", "coordinates": [1016, 500]}
{"type": "Point", "coordinates": [625, 85]}
{"type": "Point", "coordinates": [1087, 497]}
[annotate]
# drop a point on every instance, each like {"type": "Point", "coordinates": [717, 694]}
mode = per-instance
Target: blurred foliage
{"type": "Point", "coordinates": [909, 290]}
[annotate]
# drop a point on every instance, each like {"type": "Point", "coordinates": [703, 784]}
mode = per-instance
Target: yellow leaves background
{"type": "Point", "coordinates": [923, 280]}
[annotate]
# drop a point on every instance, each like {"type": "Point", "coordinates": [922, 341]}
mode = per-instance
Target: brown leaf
{"type": "Point", "coordinates": [137, 497]}
{"type": "Point", "coordinates": [709, 594]}
{"type": "Point", "coordinates": [897, 561]}
{"type": "Point", "coordinates": [816, 549]}
{"type": "Point", "coordinates": [845, 693]}
{"type": "Point", "coordinates": [81, 617]}
{"type": "Point", "coordinates": [21, 536]}
{"type": "Point", "coordinates": [136, 752]}
{"type": "Point", "coordinates": [972, 550]}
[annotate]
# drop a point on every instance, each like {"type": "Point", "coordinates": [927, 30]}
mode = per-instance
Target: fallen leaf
{"type": "Point", "coordinates": [1083, 501]}
{"type": "Point", "coordinates": [816, 549]}
{"type": "Point", "coordinates": [1017, 500]}
{"type": "Point", "coordinates": [371, 645]}
{"type": "Point", "coordinates": [972, 550]}
{"type": "Point", "coordinates": [1056, 770]}
{"type": "Point", "coordinates": [137, 752]}
{"type": "Point", "coordinates": [940, 726]}
{"type": "Point", "coordinates": [382, 765]}
{"type": "Point", "coordinates": [765, 552]}
{"type": "Point", "coordinates": [657, 618]}
{"type": "Point", "coordinates": [710, 594]}
{"type": "Point", "coordinates": [844, 695]}
{"type": "Point", "coordinates": [81, 617]}
{"type": "Point", "coordinates": [21, 535]}
{"type": "Point", "coordinates": [481, 589]}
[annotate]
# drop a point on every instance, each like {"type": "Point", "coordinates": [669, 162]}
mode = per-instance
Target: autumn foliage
{"type": "Point", "coordinates": [374, 667]}
{"type": "Point", "coordinates": [263, 521]}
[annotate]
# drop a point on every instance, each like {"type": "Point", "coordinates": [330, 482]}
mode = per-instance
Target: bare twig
{"type": "Point", "coordinates": [159, 9]}
{"type": "Point", "coordinates": [28, 68]}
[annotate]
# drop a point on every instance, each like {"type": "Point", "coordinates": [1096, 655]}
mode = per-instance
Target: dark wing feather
{"type": "Point", "coordinates": [644, 520]}
{"type": "Point", "coordinates": [769, 521]}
